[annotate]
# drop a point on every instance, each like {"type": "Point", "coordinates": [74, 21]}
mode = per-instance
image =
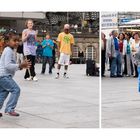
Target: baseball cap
{"type": "Point", "coordinates": [66, 26]}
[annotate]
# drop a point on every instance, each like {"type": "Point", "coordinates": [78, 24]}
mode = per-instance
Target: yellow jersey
{"type": "Point", "coordinates": [65, 40]}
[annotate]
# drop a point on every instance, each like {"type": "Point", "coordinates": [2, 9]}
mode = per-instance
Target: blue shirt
{"type": "Point", "coordinates": [39, 49]}
{"type": "Point", "coordinates": [116, 43]}
{"type": "Point", "coordinates": [47, 50]}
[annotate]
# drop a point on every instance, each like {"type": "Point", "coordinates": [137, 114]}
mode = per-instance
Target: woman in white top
{"type": "Point", "coordinates": [135, 46]}
{"type": "Point", "coordinates": [127, 50]}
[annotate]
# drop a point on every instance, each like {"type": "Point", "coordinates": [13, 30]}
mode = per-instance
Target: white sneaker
{"type": "Point", "coordinates": [35, 79]}
{"type": "Point", "coordinates": [29, 78]}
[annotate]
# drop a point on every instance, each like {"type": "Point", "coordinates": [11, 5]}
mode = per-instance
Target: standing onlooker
{"type": "Point", "coordinates": [127, 53]}
{"type": "Point", "coordinates": [54, 52]}
{"type": "Point", "coordinates": [107, 57]}
{"type": "Point", "coordinates": [135, 48]}
{"type": "Point", "coordinates": [81, 56]}
{"type": "Point", "coordinates": [19, 53]}
{"type": "Point", "coordinates": [66, 41]}
{"type": "Point", "coordinates": [114, 53]}
{"type": "Point", "coordinates": [8, 67]}
{"type": "Point", "coordinates": [75, 28]}
{"type": "Point", "coordinates": [47, 45]}
{"type": "Point", "coordinates": [121, 45]}
{"type": "Point", "coordinates": [39, 51]}
{"type": "Point", "coordinates": [29, 37]}
{"type": "Point", "coordinates": [103, 54]}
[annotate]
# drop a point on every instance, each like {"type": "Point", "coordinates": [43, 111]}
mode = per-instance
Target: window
{"type": "Point", "coordinates": [75, 52]}
{"type": "Point", "coordinates": [90, 53]}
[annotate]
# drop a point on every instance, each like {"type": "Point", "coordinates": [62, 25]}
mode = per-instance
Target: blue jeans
{"type": "Point", "coordinates": [113, 66]}
{"type": "Point", "coordinates": [8, 85]}
{"type": "Point", "coordinates": [138, 78]}
{"type": "Point", "coordinates": [116, 64]}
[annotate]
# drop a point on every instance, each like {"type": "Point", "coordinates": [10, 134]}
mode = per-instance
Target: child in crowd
{"type": "Point", "coordinates": [47, 54]}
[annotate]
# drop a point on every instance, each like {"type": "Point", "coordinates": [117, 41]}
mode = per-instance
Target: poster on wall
{"type": "Point", "coordinates": [109, 20]}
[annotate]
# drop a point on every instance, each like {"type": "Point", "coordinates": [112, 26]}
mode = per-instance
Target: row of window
{"type": "Point", "coordinates": [90, 53]}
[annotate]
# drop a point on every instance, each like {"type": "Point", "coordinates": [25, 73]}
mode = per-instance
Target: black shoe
{"type": "Point", "coordinates": [113, 76]}
{"type": "Point", "coordinates": [119, 76]}
{"type": "Point", "coordinates": [103, 75]}
{"type": "Point", "coordinates": [135, 76]}
{"type": "Point", "coordinates": [0, 114]}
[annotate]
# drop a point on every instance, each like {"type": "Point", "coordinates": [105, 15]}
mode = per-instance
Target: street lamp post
{"type": "Point", "coordinates": [82, 20]}
{"type": "Point", "coordinates": [67, 17]}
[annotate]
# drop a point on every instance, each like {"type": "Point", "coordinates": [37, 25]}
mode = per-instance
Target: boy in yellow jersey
{"type": "Point", "coordinates": [65, 42]}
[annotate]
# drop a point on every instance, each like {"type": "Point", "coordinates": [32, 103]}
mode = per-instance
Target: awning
{"type": "Point", "coordinates": [32, 15]}
{"type": "Point", "coordinates": [133, 22]}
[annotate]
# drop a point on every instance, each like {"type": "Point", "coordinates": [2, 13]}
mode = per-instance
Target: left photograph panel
{"type": "Point", "coordinates": [49, 69]}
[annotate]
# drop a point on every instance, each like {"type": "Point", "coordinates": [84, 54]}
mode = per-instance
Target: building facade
{"type": "Point", "coordinates": [86, 34]}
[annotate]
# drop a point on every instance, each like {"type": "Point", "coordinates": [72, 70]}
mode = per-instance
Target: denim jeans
{"type": "Point", "coordinates": [138, 68]}
{"type": "Point", "coordinates": [113, 66]}
{"type": "Point", "coordinates": [8, 85]}
{"type": "Point", "coordinates": [119, 63]}
{"type": "Point", "coordinates": [116, 64]}
{"type": "Point", "coordinates": [45, 60]}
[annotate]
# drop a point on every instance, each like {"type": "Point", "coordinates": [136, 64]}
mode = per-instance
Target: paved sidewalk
{"type": "Point", "coordinates": [56, 103]}
{"type": "Point", "coordinates": [120, 103]}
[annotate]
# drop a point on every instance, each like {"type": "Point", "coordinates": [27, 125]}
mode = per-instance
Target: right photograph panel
{"type": "Point", "coordinates": [120, 69]}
